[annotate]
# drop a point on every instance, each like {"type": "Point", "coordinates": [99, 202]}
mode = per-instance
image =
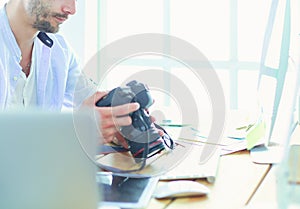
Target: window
{"type": "Point", "coordinates": [227, 32]}
{"type": "Point", "coordinates": [2, 2]}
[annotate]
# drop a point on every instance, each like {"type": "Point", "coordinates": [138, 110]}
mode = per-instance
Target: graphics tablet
{"type": "Point", "coordinates": [125, 192]}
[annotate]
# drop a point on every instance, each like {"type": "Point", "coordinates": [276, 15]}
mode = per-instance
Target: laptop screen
{"type": "Point", "coordinates": [43, 164]}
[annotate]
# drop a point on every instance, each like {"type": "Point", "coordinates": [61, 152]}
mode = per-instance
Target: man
{"type": "Point", "coordinates": [37, 68]}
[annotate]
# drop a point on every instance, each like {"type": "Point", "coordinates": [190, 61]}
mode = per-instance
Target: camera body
{"type": "Point", "coordinates": [142, 136]}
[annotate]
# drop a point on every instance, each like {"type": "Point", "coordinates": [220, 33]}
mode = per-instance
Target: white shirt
{"type": "Point", "coordinates": [25, 91]}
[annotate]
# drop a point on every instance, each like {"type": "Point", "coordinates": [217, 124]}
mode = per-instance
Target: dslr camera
{"type": "Point", "coordinates": [142, 136]}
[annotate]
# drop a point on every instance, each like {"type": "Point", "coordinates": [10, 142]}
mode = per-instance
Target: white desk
{"type": "Point", "coordinates": [240, 184]}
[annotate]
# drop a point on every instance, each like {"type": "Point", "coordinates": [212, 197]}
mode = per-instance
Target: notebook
{"type": "Point", "coordinates": [42, 162]}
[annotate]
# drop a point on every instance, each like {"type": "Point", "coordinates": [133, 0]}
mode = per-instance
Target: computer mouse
{"type": "Point", "coordinates": [180, 188]}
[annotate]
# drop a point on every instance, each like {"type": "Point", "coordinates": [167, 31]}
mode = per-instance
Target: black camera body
{"type": "Point", "coordinates": [142, 136]}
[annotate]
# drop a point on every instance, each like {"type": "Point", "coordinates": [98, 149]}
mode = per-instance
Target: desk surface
{"type": "Point", "coordinates": [239, 183]}
{"type": "Point", "coordinates": [268, 186]}
{"type": "Point", "coordinates": [236, 182]}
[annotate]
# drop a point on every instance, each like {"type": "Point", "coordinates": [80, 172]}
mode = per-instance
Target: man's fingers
{"type": "Point", "coordinates": [120, 110]}
{"type": "Point", "coordinates": [125, 109]}
{"type": "Point", "coordinates": [116, 122]}
{"type": "Point", "coordinates": [152, 119]}
{"type": "Point", "coordinates": [108, 134]}
{"type": "Point", "coordinates": [123, 121]}
{"type": "Point", "coordinates": [112, 118]}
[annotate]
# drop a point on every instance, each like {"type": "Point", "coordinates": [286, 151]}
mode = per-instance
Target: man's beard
{"type": "Point", "coordinates": [42, 13]}
{"type": "Point", "coordinates": [45, 26]}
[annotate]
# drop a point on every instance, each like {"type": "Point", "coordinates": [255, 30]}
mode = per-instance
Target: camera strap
{"type": "Point", "coordinates": [168, 141]}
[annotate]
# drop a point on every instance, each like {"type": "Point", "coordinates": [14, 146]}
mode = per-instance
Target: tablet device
{"type": "Point", "coordinates": [125, 192]}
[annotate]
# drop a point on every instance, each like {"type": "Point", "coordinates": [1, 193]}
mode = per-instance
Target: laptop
{"type": "Point", "coordinates": [43, 164]}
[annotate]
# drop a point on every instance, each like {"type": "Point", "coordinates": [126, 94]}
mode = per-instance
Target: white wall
{"type": "Point", "coordinates": [2, 2]}
{"type": "Point", "coordinates": [74, 30]}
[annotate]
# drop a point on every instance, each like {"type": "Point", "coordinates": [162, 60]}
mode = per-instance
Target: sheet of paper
{"type": "Point", "coordinates": [239, 145]}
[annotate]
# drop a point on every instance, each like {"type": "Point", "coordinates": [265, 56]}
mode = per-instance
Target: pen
{"type": "Point", "coordinates": [123, 181]}
{"type": "Point", "coordinates": [245, 127]}
{"type": "Point", "coordinates": [203, 142]}
{"type": "Point", "coordinates": [174, 125]}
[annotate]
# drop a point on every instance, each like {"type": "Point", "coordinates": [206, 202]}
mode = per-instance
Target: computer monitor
{"type": "Point", "coordinates": [277, 84]}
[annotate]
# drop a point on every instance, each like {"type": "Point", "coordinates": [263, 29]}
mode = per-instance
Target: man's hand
{"type": "Point", "coordinates": [111, 118]}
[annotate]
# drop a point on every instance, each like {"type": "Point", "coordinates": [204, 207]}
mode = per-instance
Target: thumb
{"type": "Point", "coordinates": [98, 95]}
{"type": "Point", "coordinates": [91, 101]}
